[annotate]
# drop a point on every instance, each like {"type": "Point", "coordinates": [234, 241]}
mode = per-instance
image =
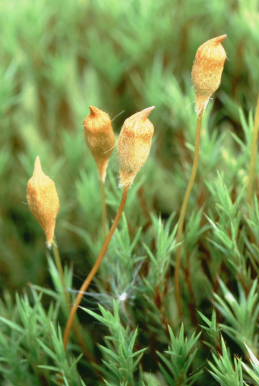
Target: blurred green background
{"type": "Point", "coordinates": [57, 58]}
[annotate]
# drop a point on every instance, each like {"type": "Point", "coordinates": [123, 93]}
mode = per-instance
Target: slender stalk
{"type": "Point", "coordinates": [252, 166]}
{"type": "Point", "coordinates": [179, 236]}
{"type": "Point", "coordinates": [78, 330]}
{"type": "Point", "coordinates": [104, 206]}
{"type": "Point", "coordinates": [57, 258]}
{"type": "Point", "coordinates": [95, 268]}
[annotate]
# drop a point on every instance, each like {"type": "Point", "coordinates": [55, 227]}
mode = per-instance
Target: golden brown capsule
{"type": "Point", "coordinates": [43, 200]}
{"type": "Point", "coordinates": [207, 70]}
{"type": "Point", "coordinates": [134, 145]}
{"type": "Point", "coordinates": [100, 138]}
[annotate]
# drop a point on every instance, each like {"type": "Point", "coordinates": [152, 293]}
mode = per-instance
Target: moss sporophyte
{"type": "Point", "coordinates": [206, 76]}
{"type": "Point", "coordinates": [71, 73]}
{"type": "Point", "coordinates": [43, 200]}
{"type": "Point", "coordinates": [134, 147]}
{"type": "Point", "coordinates": [207, 70]}
{"type": "Point", "coordinates": [100, 138]}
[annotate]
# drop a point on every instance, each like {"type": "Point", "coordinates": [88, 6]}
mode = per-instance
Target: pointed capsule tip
{"type": "Point", "coordinates": [221, 38]}
{"type": "Point", "coordinates": [146, 112]}
{"type": "Point", "coordinates": [94, 110]}
{"type": "Point", "coordinates": [37, 165]}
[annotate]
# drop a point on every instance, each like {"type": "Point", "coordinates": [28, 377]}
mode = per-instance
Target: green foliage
{"type": "Point", "coordinates": [212, 329]}
{"type": "Point", "coordinates": [177, 360]}
{"type": "Point", "coordinates": [240, 315]}
{"type": "Point", "coordinates": [31, 343]}
{"type": "Point", "coordinates": [120, 359]}
{"type": "Point", "coordinates": [253, 370]}
{"type": "Point", "coordinates": [224, 370]}
{"type": "Point", "coordinates": [57, 58]}
{"type": "Point", "coordinates": [160, 259]}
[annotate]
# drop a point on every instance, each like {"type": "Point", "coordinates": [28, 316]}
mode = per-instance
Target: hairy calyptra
{"type": "Point", "coordinates": [100, 138]}
{"type": "Point", "coordinates": [207, 70]}
{"type": "Point", "coordinates": [43, 200]}
{"type": "Point", "coordinates": [134, 145]}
